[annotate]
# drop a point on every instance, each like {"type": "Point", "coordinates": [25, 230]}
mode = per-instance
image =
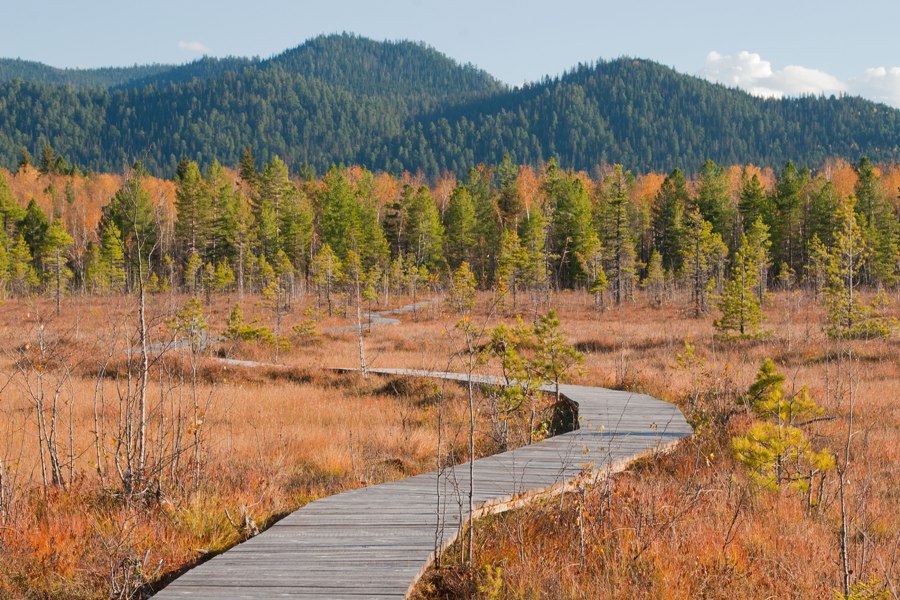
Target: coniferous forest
{"type": "Point", "coordinates": [403, 106]}
{"type": "Point", "coordinates": [248, 229]}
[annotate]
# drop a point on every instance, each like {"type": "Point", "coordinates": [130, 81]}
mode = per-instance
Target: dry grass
{"type": "Point", "coordinates": [689, 525]}
{"type": "Point", "coordinates": [272, 439]}
{"type": "Point", "coordinates": [275, 438]}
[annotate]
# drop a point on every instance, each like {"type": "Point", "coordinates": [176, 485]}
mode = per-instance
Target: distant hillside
{"type": "Point", "coordinates": [14, 69]}
{"type": "Point", "coordinates": [403, 105]}
{"type": "Point", "coordinates": [386, 69]}
{"type": "Point", "coordinates": [646, 116]}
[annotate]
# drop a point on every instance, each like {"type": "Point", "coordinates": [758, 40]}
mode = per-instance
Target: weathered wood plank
{"type": "Point", "coordinates": [376, 542]}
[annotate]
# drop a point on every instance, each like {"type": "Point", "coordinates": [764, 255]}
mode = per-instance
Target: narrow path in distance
{"type": "Point", "coordinates": [377, 541]}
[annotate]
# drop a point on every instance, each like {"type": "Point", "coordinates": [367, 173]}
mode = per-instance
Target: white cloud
{"type": "Point", "coordinates": [748, 71]}
{"type": "Point", "coordinates": [199, 47]}
{"type": "Point", "coordinates": [881, 84]}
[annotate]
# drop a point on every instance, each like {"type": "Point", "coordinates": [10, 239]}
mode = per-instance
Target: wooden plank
{"type": "Point", "coordinates": [376, 542]}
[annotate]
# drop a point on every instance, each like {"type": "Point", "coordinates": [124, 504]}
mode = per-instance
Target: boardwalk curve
{"type": "Point", "coordinates": [376, 542]}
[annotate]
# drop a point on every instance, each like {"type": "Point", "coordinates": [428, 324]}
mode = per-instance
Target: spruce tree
{"type": "Point", "coordinates": [786, 226]}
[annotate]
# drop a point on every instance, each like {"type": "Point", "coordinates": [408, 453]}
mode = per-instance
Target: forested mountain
{"type": "Point", "coordinates": [15, 69]}
{"type": "Point", "coordinates": [646, 116]}
{"type": "Point", "coordinates": [404, 106]}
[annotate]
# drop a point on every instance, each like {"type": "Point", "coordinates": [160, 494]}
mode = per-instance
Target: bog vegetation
{"type": "Point", "coordinates": [124, 292]}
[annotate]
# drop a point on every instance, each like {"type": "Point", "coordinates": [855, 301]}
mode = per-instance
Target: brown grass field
{"type": "Point", "coordinates": [271, 439]}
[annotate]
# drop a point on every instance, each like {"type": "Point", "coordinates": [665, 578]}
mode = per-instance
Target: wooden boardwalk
{"type": "Point", "coordinates": [376, 542]}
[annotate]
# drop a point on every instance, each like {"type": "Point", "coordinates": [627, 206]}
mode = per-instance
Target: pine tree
{"type": "Point", "coordinates": [510, 263]}
{"type": "Point", "coordinates": [848, 316]}
{"type": "Point", "coordinates": [4, 262]}
{"type": "Point", "coordinates": [297, 231]}
{"type": "Point", "coordinates": [575, 240]}
{"type": "Point", "coordinates": [775, 449]}
{"type": "Point", "coordinates": [758, 238]}
{"type": "Point", "coordinates": [739, 305]}
{"type": "Point", "coordinates": [655, 281]}
{"type": "Point", "coordinates": [616, 236]}
{"type": "Point", "coordinates": [753, 202]}
{"type": "Point", "coordinates": [459, 225]}
{"type": "Point", "coordinates": [193, 211]}
{"type": "Point", "coordinates": [33, 227]}
{"type": "Point", "coordinates": [327, 273]}
{"type": "Point", "coordinates": [509, 202]}
{"type": "Point", "coordinates": [134, 215]}
{"type": "Point", "coordinates": [111, 259]}
{"type": "Point", "coordinates": [47, 162]}
{"type": "Point", "coordinates": [224, 277]}
{"type": "Point", "coordinates": [10, 211]}
{"type": "Point", "coordinates": [668, 219]}
{"type": "Point", "coordinates": [820, 215]}
{"type": "Point", "coordinates": [274, 192]}
{"type": "Point", "coordinates": [879, 224]}
{"type": "Point", "coordinates": [237, 227]}
{"type": "Point", "coordinates": [702, 252]}
{"type": "Point", "coordinates": [554, 356]}
{"type": "Point", "coordinates": [535, 251]}
{"type": "Point", "coordinates": [423, 236]}
{"type": "Point", "coordinates": [247, 168]}
{"type": "Point", "coordinates": [55, 260]}
{"type": "Point", "coordinates": [713, 200]}
{"type": "Point", "coordinates": [193, 268]}
{"type": "Point", "coordinates": [22, 276]}
{"type": "Point", "coordinates": [817, 266]}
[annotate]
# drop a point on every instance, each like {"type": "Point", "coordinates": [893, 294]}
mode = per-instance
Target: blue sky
{"type": "Point", "coordinates": [767, 47]}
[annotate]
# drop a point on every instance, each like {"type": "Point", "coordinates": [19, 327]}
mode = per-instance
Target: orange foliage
{"type": "Point", "coordinates": [387, 189]}
{"type": "Point", "coordinates": [442, 190]}
{"type": "Point", "coordinates": [529, 186]}
{"type": "Point", "coordinates": [890, 179]}
{"type": "Point", "coordinates": [842, 176]}
{"type": "Point", "coordinates": [647, 187]}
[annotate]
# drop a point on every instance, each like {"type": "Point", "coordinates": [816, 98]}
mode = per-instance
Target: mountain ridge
{"type": "Point", "coordinates": [403, 105]}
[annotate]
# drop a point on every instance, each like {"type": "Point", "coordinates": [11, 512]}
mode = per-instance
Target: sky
{"type": "Point", "coordinates": [767, 47]}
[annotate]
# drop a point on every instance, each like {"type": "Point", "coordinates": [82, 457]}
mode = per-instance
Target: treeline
{"type": "Point", "coordinates": [400, 106]}
{"type": "Point", "coordinates": [519, 231]}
